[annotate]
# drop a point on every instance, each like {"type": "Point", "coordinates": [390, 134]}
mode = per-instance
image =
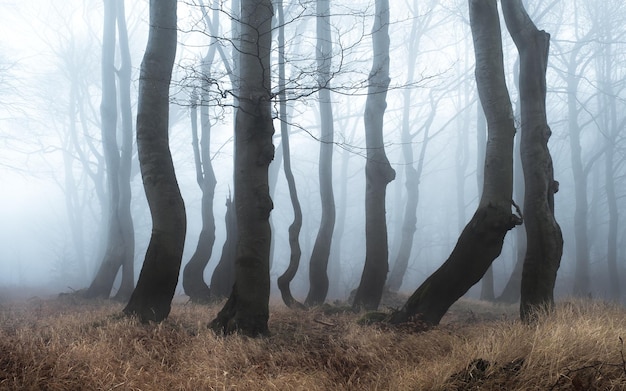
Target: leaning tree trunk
{"type": "Point", "coordinates": [247, 309]}
{"type": "Point", "coordinates": [318, 264]}
{"type": "Point", "coordinates": [152, 298]}
{"type": "Point", "coordinates": [294, 229]}
{"type": "Point", "coordinates": [482, 238]}
{"type": "Point", "coordinates": [378, 171]}
{"type": "Point", "coordinates": [544, 245]}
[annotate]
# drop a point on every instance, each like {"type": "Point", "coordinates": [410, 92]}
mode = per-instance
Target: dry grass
{"type": "Point", "coordinates": [68, 344]}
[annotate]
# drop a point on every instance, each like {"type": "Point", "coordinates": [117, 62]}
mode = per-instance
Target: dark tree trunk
{"type": "Point", "coordinates": [151, 300]}
{"type": "Point", "coordinates": [223, 276]}
{"type": "Point", "coordinates": [481, 240]}
{"type": "Point", "coordinates": [544, 239]}
{"type": "Point", "coordinates": [294, 229]}
{"type": "Point", "coordinates": [318, 264]}
{"type": "Point", "coordinates": [378, 171]}
{"type": "Point", "coordinates": [247, 309]}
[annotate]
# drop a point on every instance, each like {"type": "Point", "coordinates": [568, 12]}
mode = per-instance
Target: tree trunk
{"type": "Point", "coordinates": [247, 309]}
{"type": "Point", "coordinates": [412, 174]}
{"type": "Point", "coordinates": [223, 276]}
{"type": "Point", "coordinates": [151, 300]}
{"type": "Point", "coordinates": [511, 292]}
{"type": "Point", "coordinates": [126, 154]}
{"type": "Point", "coordinates": [115, 245]}
{"type": "Point", "coordinates": [318, 264]}
{"type": "Point", "coordinates": [193, 273]}
{"type": "Point", "coordinates": [294, 229]}
{"type": "Point", "coordinates": [482, 238]}
{"type": "Point", "coordinates": [487, 283]}
{"type": "Point", "coordinates": [378, 171]}
{"type": "Point", "coordinates": [544, 239]}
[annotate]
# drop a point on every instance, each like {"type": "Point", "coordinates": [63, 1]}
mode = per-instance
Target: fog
{"type": "Point", "coordinates": [52, 224]}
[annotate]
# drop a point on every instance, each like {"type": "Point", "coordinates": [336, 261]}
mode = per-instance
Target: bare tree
{"type": "Point", "coordinates": [482, 238]}
{"type": "Point", "coordinates": [151, 300]}
{"type": "Point", "coordinates": [318, 264]}
{"type": "Point", "coordinates": [120, 242]}
{"type": "Point", "coordinates": [247, 309]}
{"type": "Point", "coordinates": [544, 239]}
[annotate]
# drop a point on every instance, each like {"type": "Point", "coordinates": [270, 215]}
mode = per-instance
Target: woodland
{"type": "Point", "coordinates": [383, 170]}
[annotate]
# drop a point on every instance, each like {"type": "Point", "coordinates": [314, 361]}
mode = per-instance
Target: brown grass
{"type": "Point", "coordinates": [70, 344]}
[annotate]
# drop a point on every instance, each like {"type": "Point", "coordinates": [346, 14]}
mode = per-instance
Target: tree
{"type": "Point", "coordinates": [152, 297]}
{"type": "Point", "coordinates": [318, 277]}
{"type": "Point", "coordinates": [193, 273]}
{"type": "Point", "coordinates": [294, 229]}
{"type": "Point", "coordinates": [378, 171]}
{"type": "Point", "coordinates": [544, 245]}
{"type": "Point", "coordinates": [120, 242]}
{"type": "Point", "coordinates": [247, 308]}
{"type": "Point", "coordinates": [481, 240]}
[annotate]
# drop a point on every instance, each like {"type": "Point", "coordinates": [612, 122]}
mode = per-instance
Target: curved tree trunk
{"type": "Point", "coordinates": [378, 171]}
{"type": "Point", "coordinates": [247, 309]}
{"type": "Point", "coordinates": [544, 239]}
{"type": "Point", "coordinates": [482, 238]}
{"type": "Point", "coordinates": [151, 300]}
{"type": "Point", "coordinates": [193, 273]}
{"type": "Point", "coordinates": [294, 229]}
{"type": "Point", "coordinates": [318, 264]}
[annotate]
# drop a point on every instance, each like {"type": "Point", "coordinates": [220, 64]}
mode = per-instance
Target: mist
{"type": "Point", "coordinates": [52, 212]}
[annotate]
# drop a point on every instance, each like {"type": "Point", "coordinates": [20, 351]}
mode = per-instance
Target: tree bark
{"type": "Point", "coordinates": [318, 264]}
{"type": "Point", "coordinates": [482, 238]}
{"type": "Point", "coordinates": [151, 299]}
{"type": "Point", "coordinates": [544, 245]}
{"type": "Point", "coordinates": [378, 171]}
{"type": "Point", "coordinates": [247, 309]}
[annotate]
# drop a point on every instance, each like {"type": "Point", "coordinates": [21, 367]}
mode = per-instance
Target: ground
{"type": "Point", "coordinates": [66, 343]}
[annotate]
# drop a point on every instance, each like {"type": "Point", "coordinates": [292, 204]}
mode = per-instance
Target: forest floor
{"type": "Point", "coordinates": [67, 343]}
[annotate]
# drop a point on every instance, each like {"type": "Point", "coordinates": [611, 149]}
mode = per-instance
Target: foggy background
{"type": "Point", "coordinates": [51, 228]}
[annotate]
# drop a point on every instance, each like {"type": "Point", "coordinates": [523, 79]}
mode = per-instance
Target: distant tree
{"type": "Point", "coordinates": [152, 297]}
{"type": "Point", "coordinates": [544, 239]}
{"type": "Point", "coordinates": [193, 274]}
{"type": "Point", "coordinates": [318, 264]}
{"type": "Point", "coordinates": [247, 308]}
{"type": "Point", "coordinates": [285, 279]}
{"type": "Point", "coordinates": [378, 171]}
{"type": "Point", "coordinates": [120, 242]}
{"type": "Point", "coordinates": [482, 239]}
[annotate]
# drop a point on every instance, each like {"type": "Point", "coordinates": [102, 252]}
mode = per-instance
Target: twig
{"type": "Point", "coordinates": [324, 323]}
